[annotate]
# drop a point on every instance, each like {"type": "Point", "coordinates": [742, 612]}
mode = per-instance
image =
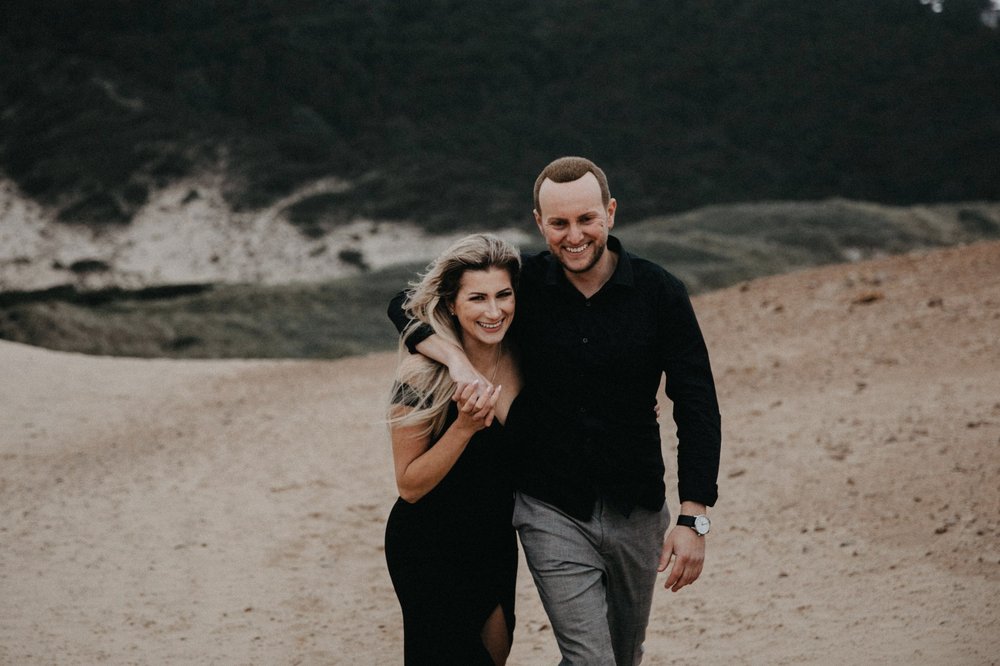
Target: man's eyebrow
{"type": "Point", "coordinates": [581, 216]}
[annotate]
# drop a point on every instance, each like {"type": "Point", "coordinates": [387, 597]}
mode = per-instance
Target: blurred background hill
{"type": "Point", "coordinates": [117, 117]}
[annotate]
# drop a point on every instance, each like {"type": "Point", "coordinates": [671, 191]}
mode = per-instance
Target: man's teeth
{"type": "Point", "coordinates": [578, 250]}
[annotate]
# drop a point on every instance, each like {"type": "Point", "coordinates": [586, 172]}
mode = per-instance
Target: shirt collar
{"type": "Point", "coordinates": [623, 274]}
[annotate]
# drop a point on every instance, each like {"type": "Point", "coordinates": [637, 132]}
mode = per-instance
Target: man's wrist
{"type": "Point", "coordinates": [691, 508]}
{"type": "Point", "coordinates": [456, 360]}
{"type": "Point", "coordinates": [693, 515]}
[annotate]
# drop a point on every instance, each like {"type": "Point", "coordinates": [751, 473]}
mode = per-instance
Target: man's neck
{"type": "Point", "coordinates": [590, 282]}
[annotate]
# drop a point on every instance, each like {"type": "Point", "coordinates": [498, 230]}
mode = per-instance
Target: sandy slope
{"type": "Point", "coordinates": [187, 233]}
{"type": "Point", "coordinates": [161, 512]}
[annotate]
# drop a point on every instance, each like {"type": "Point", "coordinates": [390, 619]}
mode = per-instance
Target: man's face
{"type": "Point", "coordinates": [575, 222]}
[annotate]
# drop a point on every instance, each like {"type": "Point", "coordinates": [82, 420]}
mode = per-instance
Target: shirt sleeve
{"type": "Point", "coordinates": [691, 388]}
{"type": "Point", "coordinates": [401, 320]}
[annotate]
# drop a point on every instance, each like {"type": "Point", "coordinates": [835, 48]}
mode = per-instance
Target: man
{"type": "Point", "coordinates": [597, 328]}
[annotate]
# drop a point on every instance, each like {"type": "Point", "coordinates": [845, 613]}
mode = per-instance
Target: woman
{"type": "Point", "coordinates": [449, 544]}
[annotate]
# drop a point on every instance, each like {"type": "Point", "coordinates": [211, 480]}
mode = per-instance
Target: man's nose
{"type": "Point", "coordinates": [575, 234]}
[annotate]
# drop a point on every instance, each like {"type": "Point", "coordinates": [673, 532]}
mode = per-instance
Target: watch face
{"type": "Point", "coordinates": [701, 524]}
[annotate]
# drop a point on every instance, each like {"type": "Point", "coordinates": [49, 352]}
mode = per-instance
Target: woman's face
{"type": "Point", "coordinates": [484, 305]}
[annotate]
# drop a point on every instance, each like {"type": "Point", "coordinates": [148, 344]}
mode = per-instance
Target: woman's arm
{"type": "Point", "coordinates": [420, 466]}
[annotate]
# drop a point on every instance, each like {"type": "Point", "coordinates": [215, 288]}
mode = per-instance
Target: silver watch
{"type": "Point", "coordinates": [700, 524]}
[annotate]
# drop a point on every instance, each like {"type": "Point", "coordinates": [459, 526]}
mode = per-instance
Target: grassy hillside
{"type": "Point", "coordinates": [721, 245]}
{"type": "Point", "coordinates": [708, 248]}
{"type": "Point", "coordinates": [342, 318]}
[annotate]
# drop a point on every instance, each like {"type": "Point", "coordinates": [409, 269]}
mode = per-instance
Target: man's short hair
{"type": "Point", "coordinates": [568, 169]}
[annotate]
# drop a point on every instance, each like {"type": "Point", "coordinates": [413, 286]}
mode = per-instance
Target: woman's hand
{"type": "Point", "coordinates": [475, 407]}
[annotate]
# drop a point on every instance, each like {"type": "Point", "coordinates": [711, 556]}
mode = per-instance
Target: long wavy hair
{"type": "Point", "coordinates": [421, 383]}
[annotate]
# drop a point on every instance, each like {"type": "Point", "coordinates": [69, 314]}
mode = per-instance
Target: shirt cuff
{"type": "Point", "coordinates": [416, 336]}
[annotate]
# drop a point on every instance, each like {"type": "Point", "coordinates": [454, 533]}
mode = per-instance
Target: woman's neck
{"type": "Point", "coordinates": [482, 356]}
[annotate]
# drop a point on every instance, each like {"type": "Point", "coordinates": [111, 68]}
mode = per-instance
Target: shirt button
{"type": "Point", "coordinates": [583, 410]}
{"type": "Point", "coordinates": [585, 341]}
{"type": "Point", "coordinates": [587, 304]}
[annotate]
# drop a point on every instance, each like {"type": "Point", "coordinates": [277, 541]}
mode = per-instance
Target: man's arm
{"type": "Point", "coordinates": [423, 340]}
{"type": "Point", "coordinates": [691, 388]}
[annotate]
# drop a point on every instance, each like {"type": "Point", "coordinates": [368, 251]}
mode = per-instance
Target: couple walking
{"type": "Point", "coordinates": [529, 403]}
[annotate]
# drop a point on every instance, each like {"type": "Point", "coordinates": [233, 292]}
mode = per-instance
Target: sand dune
{"type": "Point", "coordinates": [188, 233]}
{"type": "Point", "coordinates": [231, 512]}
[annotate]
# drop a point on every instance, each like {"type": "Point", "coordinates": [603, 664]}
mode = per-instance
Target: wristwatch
{"type": "Point", "coordinates": [700, 524]}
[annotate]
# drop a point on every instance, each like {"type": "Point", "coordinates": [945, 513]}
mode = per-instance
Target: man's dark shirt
{"type": "Point", "coordinates": [591, 369]}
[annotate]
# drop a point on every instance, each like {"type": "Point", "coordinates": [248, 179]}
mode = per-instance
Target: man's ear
{"type": "Point", "coordinates": [538, 221]}
{"type": "Point", "coordinates": [612, 207]}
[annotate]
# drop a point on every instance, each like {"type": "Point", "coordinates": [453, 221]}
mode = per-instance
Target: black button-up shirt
{"type": "Point", "coordinates": [592, 368]}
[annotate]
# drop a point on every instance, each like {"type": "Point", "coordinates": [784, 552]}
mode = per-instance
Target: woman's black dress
{"type": "Point", "coordinates": [452, 555]}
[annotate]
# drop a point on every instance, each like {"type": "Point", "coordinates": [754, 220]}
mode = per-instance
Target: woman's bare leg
{"type": "Point", "coordinates": [496, 637]}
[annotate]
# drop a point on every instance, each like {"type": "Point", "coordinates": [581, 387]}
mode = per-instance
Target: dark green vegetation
{"type": "Point", "coordinates": [343, 318]}
{"type": "Point", "coordinates": [719, 246]}
{"type": "Point", "coordinates": [707, 248]}
{"type": "Point", "coordinates": [443, 111]}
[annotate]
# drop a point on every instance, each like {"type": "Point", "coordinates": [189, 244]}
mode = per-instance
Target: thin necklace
{"type": "Point", "coordinates": [496, 366]}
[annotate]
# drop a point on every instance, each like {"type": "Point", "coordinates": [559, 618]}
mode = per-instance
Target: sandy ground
{"type": "Point", "coordinates": [184, 512]}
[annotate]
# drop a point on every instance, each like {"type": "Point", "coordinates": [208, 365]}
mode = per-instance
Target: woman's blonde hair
{"type": "Point", "coordinates": [421, 383]}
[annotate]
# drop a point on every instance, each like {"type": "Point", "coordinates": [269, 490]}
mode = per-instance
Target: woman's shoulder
{"type": "Point", "coordinates": [410, 387]}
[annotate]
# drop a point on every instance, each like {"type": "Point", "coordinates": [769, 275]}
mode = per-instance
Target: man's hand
{"type": "Point", "coordinates": [475, 411]}
{"type": "Point", "coordinates": [687, 550]}
{"type": "Point", "coordinates": [460, 369]}
{"type": "Point", "coordinates": [469, 382]}
{"type": "Point", "coordinates": [465, 375]}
